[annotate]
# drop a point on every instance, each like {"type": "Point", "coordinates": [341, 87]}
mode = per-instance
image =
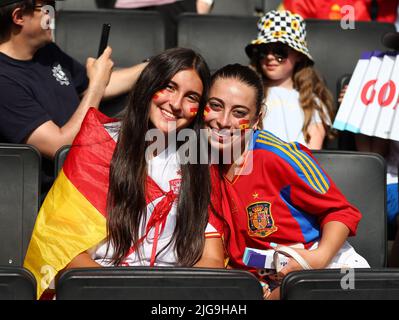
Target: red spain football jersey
{"type": "Point", "coordinates": [286, 198]}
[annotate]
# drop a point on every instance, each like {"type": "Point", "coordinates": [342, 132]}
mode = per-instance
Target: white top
{"type": "Point", "coordinates": [165, 171]}
{"type": "Point", "coordinates": [284, 116]}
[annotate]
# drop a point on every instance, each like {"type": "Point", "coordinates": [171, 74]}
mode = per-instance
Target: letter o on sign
{"type": "Point", "coordinates": [370, 84]}
{"type": "Point", "coordinates": [383, 99]}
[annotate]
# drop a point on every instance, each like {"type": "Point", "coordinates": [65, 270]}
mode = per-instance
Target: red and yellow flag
{"type": "Point", "coordinates": [72, 218]}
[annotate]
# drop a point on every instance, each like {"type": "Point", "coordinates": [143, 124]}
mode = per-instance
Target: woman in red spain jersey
{"type": "Point", "coordinates": [274, 193]}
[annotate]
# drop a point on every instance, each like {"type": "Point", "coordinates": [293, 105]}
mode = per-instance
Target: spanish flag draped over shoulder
{"type": "Point", "coordinates": [72, 218]}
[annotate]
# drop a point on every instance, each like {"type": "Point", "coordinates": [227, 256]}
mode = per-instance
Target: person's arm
{"type": "Point", "coordinates": [49, 137]}
{"type": "Point", "coordinates": [123, 80]}
{"type": "Point", "coordinates": [82, 260]}
{"type": "Point", "coordinates": [204, 6]}
{"type": "Point", "coordinates": [317, 134]}
{"type": "Point", "coordinates": [213, 254]}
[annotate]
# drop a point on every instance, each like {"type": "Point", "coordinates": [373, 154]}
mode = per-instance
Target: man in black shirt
{"type": "Point", "coordinates": [40, 86]}
{"type": "Point", "coordinates": [44, 93]}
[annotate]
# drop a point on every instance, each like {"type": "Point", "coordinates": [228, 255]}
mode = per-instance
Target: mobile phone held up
{"type": "Point", "coordinates": [104, 39]}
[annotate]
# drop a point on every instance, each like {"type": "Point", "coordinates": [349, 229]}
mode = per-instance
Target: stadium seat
{"type": "Point", "coordinates": [337, 50]}
{"type": "Point", "coordinates": [220, 39]}
{"type": "Point", "coordinates": [59, 159]}
{"type": "Point", "coordinates": [366, 284]}
{"type": "Point", "coordinates": [229, 7]}
{"type": "Point", "coordinates": [271, 5]}
{"type": "Point", "coordinates": [19, 200]}
{"type": "Point", "coordinates": [17, 284]}
{"type": "Point", "coordinates": [74, 5]}
{"type": "Point", "coordinates": [134, 36]}
{"type": "Point", "coordinates": [361, 178]}
{"type": "Point", "coordinates": [159, 283]}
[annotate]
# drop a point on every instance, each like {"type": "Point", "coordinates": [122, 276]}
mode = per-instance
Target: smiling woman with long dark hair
{"type": "Point", "coordinates": [179, 78]}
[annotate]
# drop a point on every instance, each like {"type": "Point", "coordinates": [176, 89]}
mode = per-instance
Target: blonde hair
{"type": "Point", "coordinates": [313, 96]}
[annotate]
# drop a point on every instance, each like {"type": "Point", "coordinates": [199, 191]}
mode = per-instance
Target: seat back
{"type": "Point", "coordinates": [76, 5]}
{"type": "Point", "coordinates": [17, 284]}
{"type": "Point", "coordinates": [59, 159]}
{"type": "Point", "coordinates": [220, 39]}
{"type": "Point", "coordinates": [354, 284]}
{"type": "Point", "coordinates": [147, 283]}
{"type": "Point", "coordinates": [362, 178]}
{"type": "Point", "coordinates": [19, 200]}
{"type": "Point", "coordinates": [269, 5]}
{"type": "Point", "coordinates": [228, 7]}
{"type": "Point", "coordinates": [336, 50]}
{"type": "Point", "coordinates": [134, 36]}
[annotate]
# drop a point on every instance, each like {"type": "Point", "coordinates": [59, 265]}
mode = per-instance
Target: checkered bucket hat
{"type": "Point", "coordinates": [284, 27]}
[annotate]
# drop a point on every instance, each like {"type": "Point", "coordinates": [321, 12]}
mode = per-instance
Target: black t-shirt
{"type": "Point", "coordinates": [36, 91]}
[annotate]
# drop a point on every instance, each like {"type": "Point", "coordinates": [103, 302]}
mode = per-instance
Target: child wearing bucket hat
{"type": "Point", "coordinates": [298, 104]}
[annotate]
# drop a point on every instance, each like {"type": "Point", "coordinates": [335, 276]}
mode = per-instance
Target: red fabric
{"type": "Point", "coordinates": [330, 9]}
{"type": "Point", "coordinates": [90, 156]}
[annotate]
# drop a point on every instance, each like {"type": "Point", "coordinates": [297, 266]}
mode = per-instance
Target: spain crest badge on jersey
{"type": "Point", "coordinates": [260, 220]}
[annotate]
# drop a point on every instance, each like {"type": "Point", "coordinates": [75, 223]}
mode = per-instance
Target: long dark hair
{"type": "Point", "coordinates": [128, 171]}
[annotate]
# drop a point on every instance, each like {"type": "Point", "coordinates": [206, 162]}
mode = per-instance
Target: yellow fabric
{"type": "Point", "coordinates": [66, 226]}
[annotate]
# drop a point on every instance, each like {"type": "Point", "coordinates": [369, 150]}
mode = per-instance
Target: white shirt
{"type": "Point", "coordinates": [284, 116]}
{"type": "Point", "coordinates": [164, 169]}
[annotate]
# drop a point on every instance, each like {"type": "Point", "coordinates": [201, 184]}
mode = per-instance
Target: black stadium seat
{"type": "Point", "coordinates": [19, 200]}
{"type": "Point", "coordinates": [361, 178]}
{"type": "Point", "coordinates": [336, 51]}
{"type": "Point", "coordinates": [234, 7]}
{"type": "Point", "coordinates": [72, 5]}
{"type": "Point", "coordinates": [159, 283]}
{"type": "Point", "coordinates": [355, 284]}
{"type": "Point", "coordinates": [270, 5]}
{"type": "Point", "coordinates": [17, 284]}
{"type": "Point", "coordinates": [59, 159]}
{"type": "Point", "coordinates": [220, 39]}
{"type": "Point", "coordinates": [134, 36]}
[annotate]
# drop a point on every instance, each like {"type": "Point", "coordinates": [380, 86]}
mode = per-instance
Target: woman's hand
{"type": "Point", "coordinates": [99, 70]}
{"type": "Point", "coordinates": [317, 259]}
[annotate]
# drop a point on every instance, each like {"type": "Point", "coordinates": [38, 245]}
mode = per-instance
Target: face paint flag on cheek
{"type": "Point", "coordinates": [158, 95]}
{"type": "Point", "coordinates": [194, 111]}
{"type": "Point", "coordinates": [243, 124]}
{"type": "Point", "coordinates": [207, 110]}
